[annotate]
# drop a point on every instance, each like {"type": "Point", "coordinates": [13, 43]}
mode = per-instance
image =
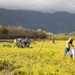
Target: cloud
{"type": "Point", "coordinates": [40, 5]}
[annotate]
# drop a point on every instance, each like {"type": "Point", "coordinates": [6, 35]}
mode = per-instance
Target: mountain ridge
{"type": "Point", "coordinates": [58, 22]}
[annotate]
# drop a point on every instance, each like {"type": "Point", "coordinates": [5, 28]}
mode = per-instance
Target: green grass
{"type": "Point", "coordinates": [41, 58]}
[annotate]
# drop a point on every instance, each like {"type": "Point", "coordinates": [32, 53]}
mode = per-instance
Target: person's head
{"type": "Point", "coordinates": [70, 40]}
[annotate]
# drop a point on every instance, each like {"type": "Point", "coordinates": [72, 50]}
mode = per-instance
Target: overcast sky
{"type": "Point", "coordinates": [40, 5]}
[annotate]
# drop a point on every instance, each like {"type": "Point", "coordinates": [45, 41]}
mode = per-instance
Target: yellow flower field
{"type": "Point", "coordinates": [41, 58]}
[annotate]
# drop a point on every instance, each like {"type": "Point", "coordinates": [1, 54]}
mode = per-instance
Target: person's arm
{"type": "Point", "coordinates": [72, 46]}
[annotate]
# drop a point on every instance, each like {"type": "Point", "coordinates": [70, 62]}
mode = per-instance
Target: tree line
{"type": "Point", "coordinates": [10, 32]}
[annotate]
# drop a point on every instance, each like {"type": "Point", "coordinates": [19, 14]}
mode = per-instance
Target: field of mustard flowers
{"type": "Point", "coordinates": [41, 58]}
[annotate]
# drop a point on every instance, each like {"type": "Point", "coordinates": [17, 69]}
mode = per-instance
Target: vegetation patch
{"type": "Point", "coordinates": [41, 58]}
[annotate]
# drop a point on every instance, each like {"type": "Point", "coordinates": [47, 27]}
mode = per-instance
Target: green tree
{"type": "Point", "coordinates": [3, 30]}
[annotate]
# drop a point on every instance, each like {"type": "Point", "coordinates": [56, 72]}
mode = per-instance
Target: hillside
{"type": "Point", "coordinates": [10, 32]}
{"type": "Point", "coordinates": [58, 22]}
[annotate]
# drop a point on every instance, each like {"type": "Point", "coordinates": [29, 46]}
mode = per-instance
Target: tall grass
{"type": "Point", "coordinates": [41, 58]}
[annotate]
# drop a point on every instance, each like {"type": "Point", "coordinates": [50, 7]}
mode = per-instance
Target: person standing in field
{"type": "Point", "coordinates": [53, 40]}
{"type": "Point", "coordinates": [20, 43]}
{"type": "Point", "coordinates": [67, 47]}
{"type": "Point", "coordinates": [15, 41]}
{"type": "Point", "coordinates": [27, 43]}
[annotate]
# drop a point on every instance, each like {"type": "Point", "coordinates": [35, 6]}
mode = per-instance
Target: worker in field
{"type": "Point", "coordinates": [20, 43]}
{"type": "Point", "coordinates": [27, 43]}
{"type": "Point", "coordinates": [67, 47]}
{"type": "Point", "coordinates": [15, 41]}
{"type": "Point", "coordinates": [53, 40]}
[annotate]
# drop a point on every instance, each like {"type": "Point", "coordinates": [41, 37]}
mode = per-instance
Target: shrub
{"type": "Point", "coordinates": [3, 30]}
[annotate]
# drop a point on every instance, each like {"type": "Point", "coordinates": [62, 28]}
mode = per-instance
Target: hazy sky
{"type": "Point", "coordinates": [40, 5]}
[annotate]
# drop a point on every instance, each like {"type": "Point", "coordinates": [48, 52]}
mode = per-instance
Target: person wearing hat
{"type": "Point", "coordinates": [67, 47]}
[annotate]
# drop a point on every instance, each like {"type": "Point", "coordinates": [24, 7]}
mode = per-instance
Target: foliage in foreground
{"type": "Point", "coordinates": [41, 58]}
